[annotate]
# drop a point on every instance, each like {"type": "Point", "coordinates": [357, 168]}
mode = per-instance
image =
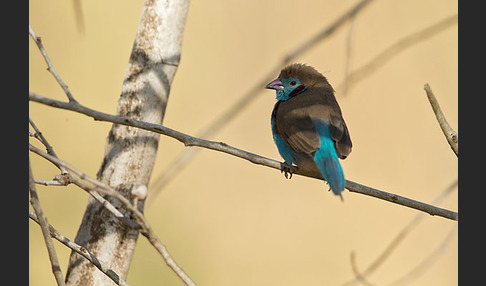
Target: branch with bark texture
{"type": "Point", "coordinates": [153, 62]}
{"type": "Point", "coordinates": [34, 200]}
{"type": "Point", "coordinates": [188, 140]}
{"type": "Point", "coordinates": [130, 152]}
{"type": "Point", "coordinates": [82, 251]}
{"type": "Point", "coordinates": [449, 133]}
{"type": "Point", "coordinates": [141, 223]}
{"type": "Point", "coordinates": [94, 190]}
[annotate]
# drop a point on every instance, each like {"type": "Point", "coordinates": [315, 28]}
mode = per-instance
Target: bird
{"type": "Point", "coordinates": [307, 125]}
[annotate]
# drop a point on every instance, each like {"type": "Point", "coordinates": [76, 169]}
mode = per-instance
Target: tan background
{"type": "Point", "coordinates": [225, 220]}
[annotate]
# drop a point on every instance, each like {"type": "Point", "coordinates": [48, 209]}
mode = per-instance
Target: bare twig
{"type": "Point", "coordinates": [450, 134]}
{"type": "Point", "coordinates": [429, 260]}
{"type": "Point", "coordinates": [83, 252]}
{"type": "Point", "coordinates": [38, 134]}
{"type": "Point", "coordinates": [225, 148]}
{"type": "Point", "coordinates": [34, 200]}
{"type": "Point", "coordinates": [430, 209]}
{"type": "Point", "coordinates": [350, 14]}
{"type": "Point", "coordinates": [50, 182]}
{"type": "Point", "coordinates": [66, 178]}
{"type": "Point", "coordinates": [144, 228]}
{"type": "Point", "coordinates": [50, 67]}
{"type": "Point", "coordinates": [361, 276]}
{"type": "Point", "coordinates": [390, 52]}
{"type": "Point", "coordinates": [348, 59]}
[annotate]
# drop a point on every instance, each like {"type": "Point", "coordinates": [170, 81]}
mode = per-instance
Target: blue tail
{"type": "Point", "coordinates": [327, 160]}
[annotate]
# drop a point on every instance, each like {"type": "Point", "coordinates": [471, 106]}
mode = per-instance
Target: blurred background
{"type": "Point", "coordinates": [229, 222]}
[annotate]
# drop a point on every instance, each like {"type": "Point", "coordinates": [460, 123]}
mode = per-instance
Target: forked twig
{"type": "Point", "coordinates": [144, 228]}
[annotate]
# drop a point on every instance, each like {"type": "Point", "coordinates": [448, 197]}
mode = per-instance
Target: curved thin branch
{"type": "Point", "coordinates": [427, 261]}
{"type": "Point", "coordinates": [395, 49]}
{"type": "Point", "coordinates": [360, 277]}
{"type": "Point", "coordinates": [225, 148]}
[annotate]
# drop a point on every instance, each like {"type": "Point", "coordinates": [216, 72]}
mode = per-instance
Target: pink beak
{"type": "Point", "coordinates": [275, 84]}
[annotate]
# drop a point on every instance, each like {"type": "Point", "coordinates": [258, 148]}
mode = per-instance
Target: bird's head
{"type": "Point", "coordinates": [286, 87]}
{"type": "Point", "coordinates": [295, 79]}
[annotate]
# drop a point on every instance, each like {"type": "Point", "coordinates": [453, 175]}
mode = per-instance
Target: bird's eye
{"type": "Point", "coordinates": [293, 82]}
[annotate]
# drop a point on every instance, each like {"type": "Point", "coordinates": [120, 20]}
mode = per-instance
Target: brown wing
{"type": "Point", "coordinates": [296, 127]}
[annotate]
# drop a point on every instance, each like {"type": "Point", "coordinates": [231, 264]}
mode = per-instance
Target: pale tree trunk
{"type": "Point", "coordinates": [130, 152]}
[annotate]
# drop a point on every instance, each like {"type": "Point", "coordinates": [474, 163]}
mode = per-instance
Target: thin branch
{"type": "Point", "coordinates": [38, 134]}
{"type": "Point", "coordinates": [428, 261]}
{"type": "Point", "coordinates": [144, 228]}
{"type": "Point", "coordinates": [225, 148]}
{"type": "Point", "coordinates": [349, 54]}
{"type": "Point", "coordinates": [430, 209]}
{"type": "Point", "coordinates": [350, 14]}
{"type": "Point", "coordinates": [50, 67]}
{"type": "Point", "coordinates": [65, 178]}
{"type": "Point", "coordinates": [83, 252]}
{"type": "Point", "coordinates": [450, 134]}
{"type": "Point", "coordinates": [187, 154]}
{"type": "Point", "coordinates": [398, 47]}
{"type": "Point", "coordinates": [361, 276]}
{"type": "Point", "coordinates": [50, 183]}
{"type": "Point", "coordinates": [34, 200]}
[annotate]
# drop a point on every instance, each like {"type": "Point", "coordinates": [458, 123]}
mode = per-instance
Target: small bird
{"type": "Point", "coordinates": [307, 125]}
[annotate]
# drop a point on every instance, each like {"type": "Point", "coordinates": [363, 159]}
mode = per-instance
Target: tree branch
{"type": "Point", "coordinates": [395, 49]}
{"type": "Point", "coordinates": [188, 140]}
{"type": "Point", "coordinates": [82, 251]}
{"type": "Point", "coordinates": [34, 200]}
{"type": "Point", "coordinates": [142, 224]}
{"type": "Point", "coordinates": [426, 262]}
{"type": "Point", "coordinates": [449, 133]}
{"type": "Point", "coordinates": [50, 67]}
{"type": "Point", "coordinates": [362, 276]}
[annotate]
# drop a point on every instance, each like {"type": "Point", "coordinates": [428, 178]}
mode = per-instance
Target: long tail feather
{"type": "Point", "coordinates": [327, 160]}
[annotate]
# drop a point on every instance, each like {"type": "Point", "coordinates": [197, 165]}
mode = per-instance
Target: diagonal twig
{"type": "Point", "coordinates": [449, 133]}
{"type": "Point", "coordinates": [38, 134]}
{"type": "Point", "coordinates": [361, 276]}
{"type": "Point", "coordinates": [34, 200]}
{"type": "Point", "coordinates": [395, 49]}
{"type": "Point", "coordinates": [188, 140]}
{"type": "Point", "coordinates": [50, 67]}
{"type": "Point", "coordinates": [426, 262]}
{"type": "Point", "coordinates": [83, 252]}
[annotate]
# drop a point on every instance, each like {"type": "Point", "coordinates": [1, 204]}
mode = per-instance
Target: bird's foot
{"type": "Point", "coordinates": [287, 169]}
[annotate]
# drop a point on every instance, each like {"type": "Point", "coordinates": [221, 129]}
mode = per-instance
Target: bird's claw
{"type": "Point", "coordinates": [287, 169]}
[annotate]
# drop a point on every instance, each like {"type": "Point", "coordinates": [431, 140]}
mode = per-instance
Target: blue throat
{"type": "Point", "coordinates": [290, 90]}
